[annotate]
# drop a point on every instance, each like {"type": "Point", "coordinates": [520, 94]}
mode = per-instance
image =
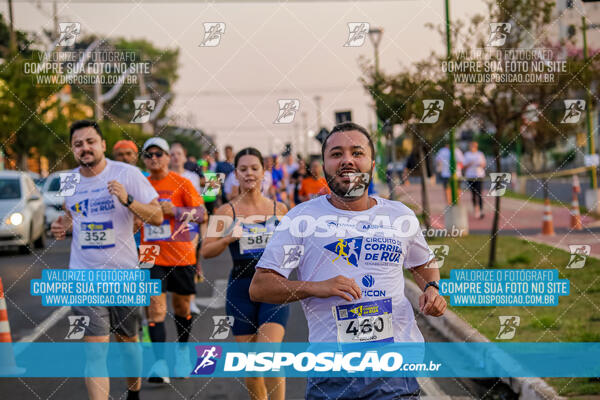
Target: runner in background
{"type": "Point", "coordinates": [226, 168]}
{"type": "Point", "coordinates": [314, 184]}
{"type": "Point", "coordinates": [177, 165]}
{"type": "Point", "coordinates": [123, 193]}
{"type": "Point", "coordinates": [175, 265]}
{"type": "Point", "coordinates": [234, 186]}
{"type": "Point", "coordinates": [442, 167]}
{"type": "Point", "coordinates": [296, 180]}
{"type": "Point", "coordinates": [126, 151]}
{"type": "Point", "coordinates": [289, 168]}
{"type": "Point", "coordinates": [279, 180]}
{"type": "Point", "coordinates": [252, 219]}
{"type": "Point", "coordinates": [474, 173]}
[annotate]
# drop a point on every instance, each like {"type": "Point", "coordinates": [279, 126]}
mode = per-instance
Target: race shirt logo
{"type": "Point", "coordinates": [102, 205]}
{"type": "Point", "coordinates": [382, 251]}
{"type": "Point", "coordinates": [346, 249]}
{"type": "Point", "coordinates": [81, 208]}
{"type": "Point", "coordinates": [207, 359]}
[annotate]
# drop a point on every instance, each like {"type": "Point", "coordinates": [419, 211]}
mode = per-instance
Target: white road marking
{"type": "Point", "coordinates": [48, 323]}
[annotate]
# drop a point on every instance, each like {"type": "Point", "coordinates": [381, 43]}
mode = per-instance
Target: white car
{"type": "Point", "coordinates": [22, 212]}
{"type": "Point", "coordinates": [54, 202]}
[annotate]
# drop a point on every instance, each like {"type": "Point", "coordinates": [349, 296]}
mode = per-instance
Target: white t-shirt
{"type": "Point", "coordinates": [102, 226]}
{"type": "Point", "coordinates": [443, 157]}
{"type": "Point", "coordinates": [192, 177]}
{"type": "Point", "coordinates": [472, 164]}
{"type": "Point", "coordinates": [374, 261]}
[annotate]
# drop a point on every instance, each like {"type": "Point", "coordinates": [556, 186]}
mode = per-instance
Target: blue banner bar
{"type": "Point", "coordinates": [226, 359]}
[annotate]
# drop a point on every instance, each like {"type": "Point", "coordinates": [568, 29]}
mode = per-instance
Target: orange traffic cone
{"type": "Point", "coordinates": [547, 224]}
{"type": "Point", "coordinates": [7, 357]}
{"type": "Point", "coordinates": [575, 215]}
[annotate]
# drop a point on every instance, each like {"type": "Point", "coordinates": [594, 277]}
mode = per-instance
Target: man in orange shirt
{"type": "Point", "coordinates": [314, 184]}
{"type": "Point", "coordinates": [175, 264]}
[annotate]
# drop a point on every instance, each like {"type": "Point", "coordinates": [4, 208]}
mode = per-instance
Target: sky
{"type": "Point", "coordinates": [270, 51]}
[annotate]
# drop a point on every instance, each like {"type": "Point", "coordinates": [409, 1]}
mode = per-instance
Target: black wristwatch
{"type": "Point", "coordinates": [432, 283]}
{"type": "Point", "coordinates": [129, 200]}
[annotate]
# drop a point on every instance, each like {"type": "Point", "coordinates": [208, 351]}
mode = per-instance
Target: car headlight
{"type": "Point", "coordinates": [15, 219]}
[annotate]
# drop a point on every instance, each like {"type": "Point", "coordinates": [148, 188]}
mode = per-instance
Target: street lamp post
{"type": "Point", "coordinates": [375, 38]}
{"type": "Point", "coordinates": [456, 215]}
{"type": "Point", "coordinates": [588, 117]}
{"type": "Point", "coordinates": [453, 183]}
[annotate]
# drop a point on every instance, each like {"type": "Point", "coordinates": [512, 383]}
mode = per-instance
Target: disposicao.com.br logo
{"type": "Point", "coordinates": [322, 362]}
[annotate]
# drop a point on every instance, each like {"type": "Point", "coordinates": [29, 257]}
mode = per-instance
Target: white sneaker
{"type": "Point", "coordinates": [183, 365]}
{"type": "Point", "coordinates": [159, 373]}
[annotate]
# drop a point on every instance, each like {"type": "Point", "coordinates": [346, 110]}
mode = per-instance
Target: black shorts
{"type": "Point", "coordinates": [178, 280]}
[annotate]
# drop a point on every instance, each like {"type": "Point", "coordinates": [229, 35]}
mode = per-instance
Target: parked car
{"type": "Point", "coordinates": [37, 179]}
{"type": "Point", "coordinates": [22, 212]}
{"type": "Point", "coordinates": [54, 202]}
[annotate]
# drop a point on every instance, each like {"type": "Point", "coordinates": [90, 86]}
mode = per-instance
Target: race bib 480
{"type": "Point", "coordinates": [368, 321]}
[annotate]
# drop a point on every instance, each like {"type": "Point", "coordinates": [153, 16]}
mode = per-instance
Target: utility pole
{"type": "Point", "coordinates": [453, 182]}
{"type": "Point", "coordinates": [13, 34]}
{"type": "Point", "coordinates": [588, 117]}
{"type": "Point", "coordinates": [55, 20]}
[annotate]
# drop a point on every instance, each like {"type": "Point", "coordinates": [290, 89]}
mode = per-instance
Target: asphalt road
{"type": "Point", "coordinates": [26, 314]}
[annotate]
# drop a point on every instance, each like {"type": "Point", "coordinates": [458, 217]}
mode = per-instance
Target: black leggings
{"type": "Point", "coordinates": [475, 187]}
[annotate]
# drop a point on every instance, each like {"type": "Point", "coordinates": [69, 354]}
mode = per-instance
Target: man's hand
{"type": "Point", "coordinates": [167, 208]}
{"type": "Point", "coordinates": [118, 190]}
{"type": "Point", "coordinates": [59, 228]}
{"type": "Point", "coordinates": [341, 286]}
{"type": "Point", "coordinates": [431, 303]}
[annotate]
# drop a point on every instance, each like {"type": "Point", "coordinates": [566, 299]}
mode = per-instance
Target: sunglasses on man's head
{"type": "Point", "coordinates": [151, 154]}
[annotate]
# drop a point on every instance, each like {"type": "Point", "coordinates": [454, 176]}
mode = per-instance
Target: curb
{"type": "Point", "coordinates": [455, 329]}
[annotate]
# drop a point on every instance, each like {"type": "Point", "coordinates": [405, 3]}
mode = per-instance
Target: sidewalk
{"type": "Point", "coordinates": [518, 217]}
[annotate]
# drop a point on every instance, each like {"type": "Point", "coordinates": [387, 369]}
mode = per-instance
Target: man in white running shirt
{"type": "Point", "coordinates": [100, 213]}
{"type": "Point", "coordinates": [333, 280]}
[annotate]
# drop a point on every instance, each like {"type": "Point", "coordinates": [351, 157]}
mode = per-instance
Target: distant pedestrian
{"type": "Point", "coordinates": [475, 172]}
{"type": "Point", "coordinates": [442, 167]}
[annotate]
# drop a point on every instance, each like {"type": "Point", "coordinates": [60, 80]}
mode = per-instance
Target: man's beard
{"type": "Point", "coordinates": [91, 164]}
{"type": "Point", "coordinates": [341, 190]}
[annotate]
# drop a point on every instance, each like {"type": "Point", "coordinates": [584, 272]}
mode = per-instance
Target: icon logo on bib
{"type": "Point", "coordinates": [347, 250]}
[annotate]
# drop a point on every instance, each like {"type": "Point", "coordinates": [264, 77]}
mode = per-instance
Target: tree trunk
{"type": "Point", "coordinates": [494, 232]}
{"type": "Point", "coordinates": [424, 191]}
